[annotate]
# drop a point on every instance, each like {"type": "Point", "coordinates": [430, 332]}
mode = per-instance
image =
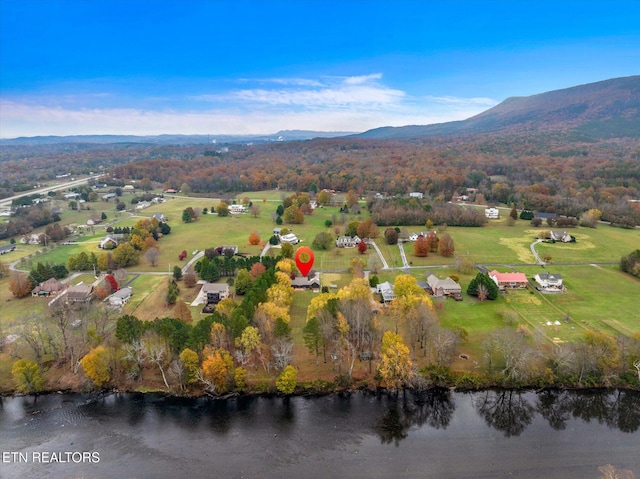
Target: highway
{"type": "Point", "coordinates": [6, 202]}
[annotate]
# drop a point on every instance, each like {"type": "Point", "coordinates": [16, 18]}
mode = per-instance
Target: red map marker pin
{"type": "Point", "coordinates": [304, 260]}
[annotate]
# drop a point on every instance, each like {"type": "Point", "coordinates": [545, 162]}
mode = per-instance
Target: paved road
{"type": "Point", "coordinates": [4, 202]}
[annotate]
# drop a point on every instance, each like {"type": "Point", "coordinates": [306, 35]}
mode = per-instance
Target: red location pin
{"type": "Point", "coordinates": [304, 260]}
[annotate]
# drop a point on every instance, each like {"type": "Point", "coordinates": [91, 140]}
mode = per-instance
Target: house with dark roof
{"type": "Point", "coordinates": [8, 248]}
{"type": "Point", "coordinates": [311, 281]}
{"type": "Point", "coordinates": [550, 282]}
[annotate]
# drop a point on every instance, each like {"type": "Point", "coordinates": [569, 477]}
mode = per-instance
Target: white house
{"type": "Point", "coordinates": [492, 213]}
{"type": "Point", "coordinates": [562, 236]}
{"type": "Point", "coordinates": [348, 241]}
{"type": "Point", "coordinates": [386, 291]}
{"type": "Point", "coordinates": [289, 238]}
{"type": "Point", "coordinates": [120, 297]}
{"type": "Point", "coordinates": [237, 209]}
{"type": "Point", "coordinates": [108, 242]}
{"type": "Point", "coordinates": [549, 281]}
{"type": "Point", "coordinates": [416, 194]}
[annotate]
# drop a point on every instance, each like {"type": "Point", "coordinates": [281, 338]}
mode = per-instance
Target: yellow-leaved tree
{"type": "Point", "coordinates": [217, 371]}
{"type": "Point", "coordinates": [96, 366]}
{"type": "Point", "coordinates": [395, 368]}
{"type": "Point", "coordinates": [287, 380]}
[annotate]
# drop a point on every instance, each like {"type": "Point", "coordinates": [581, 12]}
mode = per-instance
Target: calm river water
{"type": "Point", "coordinates": [439, 434]}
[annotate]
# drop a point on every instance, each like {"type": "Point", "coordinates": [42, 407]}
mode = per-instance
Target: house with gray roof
{"type": "Point", "coordinates": [550, 282]}
{"type": "Point", "coordinates": [444, 287]}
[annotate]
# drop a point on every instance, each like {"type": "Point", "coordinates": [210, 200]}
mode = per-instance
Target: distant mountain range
{"type": "Point", "coordinates": [284, 135]}
{"type": "Point", "coordinates": [605, 109]}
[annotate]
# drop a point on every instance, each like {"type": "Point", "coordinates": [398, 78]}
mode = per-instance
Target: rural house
{"type": "Point", "coordinates": [79, 293]}
{"type": "Point", "coordinates": [50, 287]}
{"type": "Point", "coordinates": [8, 248]}
{"type": "Point", "coordinates": [549, 281]}
{"type": "Point", "coordinates": [311, 281]}
{"type": "Point", "coordinates": [120, 297]}
{"type": "Point", "coordinates": [509, 280]}
{"type": "Point", "coordinates": [386, 291]}
{"type": "Point", "coordinates": [348, 241]}
{"type": "Point", "coordinates": [444, 287]}
{"type": "Point", "coordinates": [492, 213]}
{"type": "Point", "coordinates": [562, 236]}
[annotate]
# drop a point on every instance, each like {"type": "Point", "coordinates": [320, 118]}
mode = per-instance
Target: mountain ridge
{"type": "Point", "coordinates": [608, 108]}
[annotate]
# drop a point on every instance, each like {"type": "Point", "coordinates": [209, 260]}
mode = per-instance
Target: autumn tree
{"type": "Point", "coordinates": [19, 284]}
{"type": "Point", "coordinates": [391, 236]}
{"type": "Point", "coordinates": [254, 238]}
{"type": "Point", "coordinates": [432, 241]}
{"type": "Point", "coordinates": [287, 380]}
{"type": "Point", "coordinates": [96, 366]}
{"type": "Point", "coordinates": [217, 371]}
{"type": "Point", "coordinates": [222, 209]}
{"type": "Point", "coordinates": [293, 214]}
{"type": "Point", "coordinates": [367, 229]}
{"type": "Point", "coordinates": [421, 247]}
{"type": "Point", "coordinates": [324, 197]}
{"type": "Point", "coordinates": [247, 345]}
{"type": "Point", "coordinates": [446, 246]}
{"type": "Point", "coordinates": [352, 198]}
{"type": "Point", "coordinates": [513, 213]}
{"type": "Point", "coordinates": [395, 368]}
{"type": "Point", "coordinates": [27, 376]}
{"type": "Point", "coordinates": [362, 247]}
{"type": "Point", "coordinates": [126, 255]}
{"type": "Point", "coordinates": [182, 312]}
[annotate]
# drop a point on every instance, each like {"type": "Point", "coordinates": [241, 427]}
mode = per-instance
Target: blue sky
{"type": "Point", "coordinates": [240, 67]}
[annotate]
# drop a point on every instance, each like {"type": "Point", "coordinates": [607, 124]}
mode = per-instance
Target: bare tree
{"type": "Point", "coordinates": [35, 333]}
{"type": "Point", "coordinates": [134, 354]}
{"type": "Point", "coordinates": [282, 350]}
{"type": "Point", "coordinates": [515, 353]}
{"type": "Point", "coordinates": [156, 352]}
{"type": "Point", "coordinates": [152, 255]}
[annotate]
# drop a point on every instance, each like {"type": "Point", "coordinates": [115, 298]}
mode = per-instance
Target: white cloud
{"type": "Point", "coordinates": [452, 100]}
{"type": "Point", "coordinates": [356, 103]}
{"type": "Point", "coordinates": [331, 92]}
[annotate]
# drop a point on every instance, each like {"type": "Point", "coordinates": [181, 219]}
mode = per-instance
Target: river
{"type": "Point", "coordinates": [437, 434]}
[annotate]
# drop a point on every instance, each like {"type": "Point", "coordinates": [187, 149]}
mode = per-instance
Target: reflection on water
{"type": "Point", "coordinates": [146, 435]}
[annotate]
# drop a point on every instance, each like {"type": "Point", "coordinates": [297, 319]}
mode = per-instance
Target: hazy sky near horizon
{"type": "Point", "coordinates": [148, 67]}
